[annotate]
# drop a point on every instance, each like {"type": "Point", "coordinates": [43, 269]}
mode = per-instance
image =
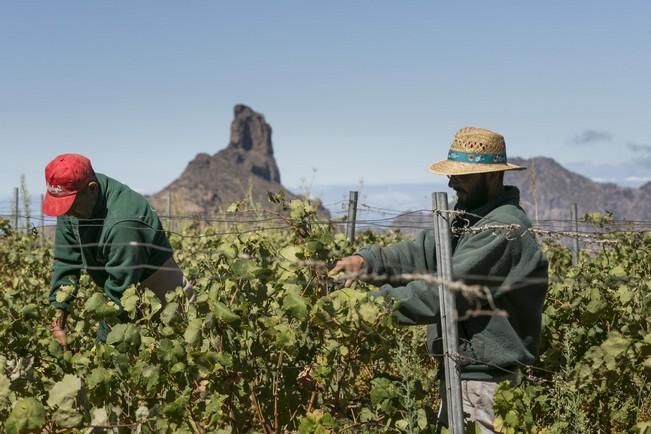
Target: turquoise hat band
{"type": "Point", "coordinates": [474, 158]}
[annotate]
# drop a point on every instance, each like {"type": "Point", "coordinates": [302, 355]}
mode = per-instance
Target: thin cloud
{"type": "Point", "coordinates": [592, 136]}
{"type": "Point", "coordinates": [643, 152]}
{"type": "Point", "coordinates": [638, 178]}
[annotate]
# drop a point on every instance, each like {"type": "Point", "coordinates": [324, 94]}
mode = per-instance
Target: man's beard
{"type": "Point", "coordinates": [469, 201]}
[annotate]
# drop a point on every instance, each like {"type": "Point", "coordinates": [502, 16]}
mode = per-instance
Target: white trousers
{"type": "Point", "coordinates": [478, 399]}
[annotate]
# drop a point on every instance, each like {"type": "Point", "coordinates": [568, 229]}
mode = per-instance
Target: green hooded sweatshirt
{"type": "Point", "coordinates": [509, 262]}
{"type": "Point", "coordinates": [122, 244]}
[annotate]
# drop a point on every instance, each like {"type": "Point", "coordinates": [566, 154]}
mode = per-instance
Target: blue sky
{"type": "Point", "coordinates": [358, 90]}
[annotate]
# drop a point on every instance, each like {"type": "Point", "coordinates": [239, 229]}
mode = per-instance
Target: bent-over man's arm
{"type": "Point", "coordinates": [67, 265]}
{"type": "Point", "coordinates": [66, 269]}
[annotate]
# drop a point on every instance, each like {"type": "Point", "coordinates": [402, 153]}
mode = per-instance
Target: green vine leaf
{"type": "Point", "coordinates": [27, 415]}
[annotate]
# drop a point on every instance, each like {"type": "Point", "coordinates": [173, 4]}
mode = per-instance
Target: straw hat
{"type": "Point", "coordinates": [475, 150]}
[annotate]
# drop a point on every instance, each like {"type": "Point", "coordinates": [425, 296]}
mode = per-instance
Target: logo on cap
{"type": "Point", "coordinates": [57, 190]}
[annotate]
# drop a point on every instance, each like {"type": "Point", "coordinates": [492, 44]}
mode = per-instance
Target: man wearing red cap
{"type": "Point", "coordinates": [108, 229]}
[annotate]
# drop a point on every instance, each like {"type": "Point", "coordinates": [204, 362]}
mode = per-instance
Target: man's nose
{"type": "Point", "coordinates": [452, 181]}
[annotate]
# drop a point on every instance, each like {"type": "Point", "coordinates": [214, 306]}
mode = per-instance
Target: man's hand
{"type": "Point", "coordinates": [58, 328]}
{"type": "Point", "coordinates": [349, 265]}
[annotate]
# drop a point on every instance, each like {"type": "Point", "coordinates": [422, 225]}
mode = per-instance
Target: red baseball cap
{"type": "Point", "coordinates": [65, 176]}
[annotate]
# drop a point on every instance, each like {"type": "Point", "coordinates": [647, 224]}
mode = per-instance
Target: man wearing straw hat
{"type": "Point", "coordinates": [108, 229]}
{"type": "Point", "coordinates": [508, 262]}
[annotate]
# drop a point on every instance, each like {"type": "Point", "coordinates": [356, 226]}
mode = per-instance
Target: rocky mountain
{"type": "Point", "coordinates": [245, 169]}
{"type": "Point", "coordinates": [548, 190]}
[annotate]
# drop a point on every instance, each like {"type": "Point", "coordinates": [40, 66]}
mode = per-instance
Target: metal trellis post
{"type": "Point", "coordinates": [16, 209]}
{"type": "Point", "coordinates": [448, 314]}
{"type": "Point", "coordinates": [42, 218]}
{"type": "Point", "coordinates": [352, 216]}
{"type": "Point", "coordinates": [574, 216]}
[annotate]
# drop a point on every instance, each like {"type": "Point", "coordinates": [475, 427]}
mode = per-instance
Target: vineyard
{"type": "Point", "coordinates": [272, 344]}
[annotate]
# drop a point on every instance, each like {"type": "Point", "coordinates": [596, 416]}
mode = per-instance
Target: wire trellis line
{"type": "Point", "coordinates": [599, 237]}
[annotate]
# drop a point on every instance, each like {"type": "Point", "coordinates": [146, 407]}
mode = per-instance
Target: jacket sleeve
{"type": "Point", "coordinates": [480, 254]}
{"type": "Point", "coordinates": [127, 250]}
{"type": "Point", "coordinates": [67, 263]}
{"type": "Point", "coordinates": [410, 256]}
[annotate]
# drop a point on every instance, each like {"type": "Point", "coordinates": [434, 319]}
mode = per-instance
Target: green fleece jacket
{"type": "Point", "coordinates": [510, 263]}
{"type": "Point", "coordinates": [120, 245]}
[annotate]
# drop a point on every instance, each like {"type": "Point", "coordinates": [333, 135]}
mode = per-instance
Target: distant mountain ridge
{"type": "Point", "coordinates": [547, 190]}
{"type": "Point", "coordinates": [247, 169]}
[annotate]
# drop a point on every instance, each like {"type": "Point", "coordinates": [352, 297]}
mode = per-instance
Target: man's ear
{"type": "Point", "coordinates": [92, 186]}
